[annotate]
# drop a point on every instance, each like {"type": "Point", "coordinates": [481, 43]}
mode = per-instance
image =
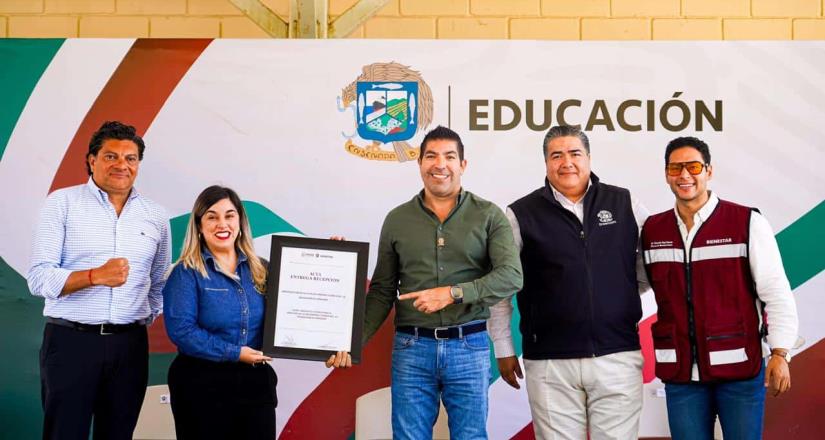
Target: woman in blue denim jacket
{"type": "Point", "coordinates": [220, 383]}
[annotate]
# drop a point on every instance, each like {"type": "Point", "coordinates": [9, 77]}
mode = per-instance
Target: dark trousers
{"type": "Point", "coordinates": [84, 374]}
{"type": "Point", "coordinates": [222, 400]}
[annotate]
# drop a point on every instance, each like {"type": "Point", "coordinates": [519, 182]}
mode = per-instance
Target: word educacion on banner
{"type": "Point", "coordinates": [630, 115]}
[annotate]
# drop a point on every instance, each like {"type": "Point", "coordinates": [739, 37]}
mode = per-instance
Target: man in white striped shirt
{"type": "Point", "coordinates": [100, 254]}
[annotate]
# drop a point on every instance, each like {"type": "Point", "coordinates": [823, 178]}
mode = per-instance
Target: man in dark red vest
{"type": "Point", "coordinates": [717, 274]}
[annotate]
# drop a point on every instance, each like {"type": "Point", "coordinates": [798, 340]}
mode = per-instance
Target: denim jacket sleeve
{"type": "Point", "coordinates": [180, 310]}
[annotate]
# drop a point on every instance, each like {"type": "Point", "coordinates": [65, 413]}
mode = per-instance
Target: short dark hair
{"type": "Point", "coordinates": [688, 141]}
{"type": "Point", "coordinates": [441, 132]}
{"type": "Point", "coordinates": [564, 131]}
{"type": "Point", "coordinates": [113, 130]}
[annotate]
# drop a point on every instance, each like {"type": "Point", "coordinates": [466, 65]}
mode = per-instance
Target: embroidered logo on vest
{"type": "Point", "coordinates": [605, 218]}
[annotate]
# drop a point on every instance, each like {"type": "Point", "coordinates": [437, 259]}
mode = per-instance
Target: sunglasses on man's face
{"type": "Point", "coordinates": [675, 168]}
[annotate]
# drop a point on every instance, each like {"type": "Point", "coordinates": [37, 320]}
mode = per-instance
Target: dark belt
{"type": "Point", "coordinates": [102, 329]}
{"type": "Point", "coordinates": [444, 332]}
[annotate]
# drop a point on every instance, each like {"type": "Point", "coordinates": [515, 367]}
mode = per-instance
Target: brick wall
{"type": "Point", "coordinates": [444, 19]}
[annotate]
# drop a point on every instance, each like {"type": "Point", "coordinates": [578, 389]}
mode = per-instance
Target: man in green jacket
{"type": "Point", "coordinates": [450, 254]}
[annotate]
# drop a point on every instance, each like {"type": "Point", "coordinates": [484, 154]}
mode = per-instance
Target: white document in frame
{"type": "Point", "coordinates": [316, 294]}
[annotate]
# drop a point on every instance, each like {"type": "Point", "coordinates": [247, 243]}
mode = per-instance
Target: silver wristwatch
{"type": "Point", "coordinates": [457, 293]}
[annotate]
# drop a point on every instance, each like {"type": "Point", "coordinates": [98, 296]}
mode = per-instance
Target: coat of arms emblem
{"type": "Point", "coordinates": [391, 103]}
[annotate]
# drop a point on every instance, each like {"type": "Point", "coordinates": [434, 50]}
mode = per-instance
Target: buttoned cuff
{"type": "Point", "coordinates": [780, 340]}
{"type": "Point", "coordinates": [470, 292]}
{"type": "Point", "coordinates": [233, 353]}
{"type": "Point", "coordinates": [504, 348]}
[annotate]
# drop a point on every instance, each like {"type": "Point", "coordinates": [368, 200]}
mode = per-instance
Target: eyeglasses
{"type": "Point", "coordinates": [675, 168]}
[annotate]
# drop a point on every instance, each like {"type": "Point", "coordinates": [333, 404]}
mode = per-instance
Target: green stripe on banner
{"type": "Point", "coordinates": [159, 367]}
{"type": "Point", "coordinates": [801, 246]}
{"type": "Point", "coordinates": [22, 322]}
{"type": "Point", "coordinates": [514, 321]}
{"type": "Point", "coordinates": [24, 62]}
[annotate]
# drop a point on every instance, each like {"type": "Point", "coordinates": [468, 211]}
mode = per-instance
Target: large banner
{"type": "Point", "coordinates": [320, 138]}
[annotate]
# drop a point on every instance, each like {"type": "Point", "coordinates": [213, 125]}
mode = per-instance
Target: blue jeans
{"type": "Point", "coordinates": [426, 370]}
{"type": "Point", "coordinates": [692, 408]}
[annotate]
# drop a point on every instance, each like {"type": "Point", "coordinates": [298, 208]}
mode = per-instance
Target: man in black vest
{"type": "Point", "coordinates": [580, 302]}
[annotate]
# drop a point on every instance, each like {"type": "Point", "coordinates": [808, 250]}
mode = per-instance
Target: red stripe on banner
{"type": "Point", "coordinates": [158, 340]}
{"type": "Point", "coordinates": [798, 413]}
{"type": "Point", "coordinates": [329, 411]}
{"type": "Point", "coordinates": [526, 433]}
{"type": "Point", "coordinates": [646, 339]}
{"type": "Point", "coordinates": [134, 95]}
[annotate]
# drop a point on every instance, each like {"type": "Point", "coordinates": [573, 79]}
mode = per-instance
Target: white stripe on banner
{"type": "Point", "coordinates": [670, 255]}
{"type": "Point", "coordinates": [56, 107]}
{"type": "Point", "coordinates": [291, 392]}
{"type": "Point", "coordinates": [509, 409]}
{"type": "Point", "coordinates": [723, 357]}
{"type": "Point", "coordinates": [666, 356]}
{"type": "Point", "coordinates": [717, 252]}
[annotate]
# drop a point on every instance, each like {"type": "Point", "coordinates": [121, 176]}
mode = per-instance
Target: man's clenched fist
{"type": "Point", "coordinates": [113, 273]}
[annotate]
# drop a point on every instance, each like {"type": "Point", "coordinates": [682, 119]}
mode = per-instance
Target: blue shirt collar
{"type": "Point", "coordinates": [207, 255]}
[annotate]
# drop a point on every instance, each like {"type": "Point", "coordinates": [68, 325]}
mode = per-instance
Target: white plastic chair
{"type": "Point", "coordinates": [155, 421]}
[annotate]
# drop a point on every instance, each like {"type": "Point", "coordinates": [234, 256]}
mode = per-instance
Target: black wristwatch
{"type": "Point", "coordinates": [457, 293]}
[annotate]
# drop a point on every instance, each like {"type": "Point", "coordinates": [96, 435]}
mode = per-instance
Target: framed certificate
{"type": "Point", "coordinates": [315, 298]}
